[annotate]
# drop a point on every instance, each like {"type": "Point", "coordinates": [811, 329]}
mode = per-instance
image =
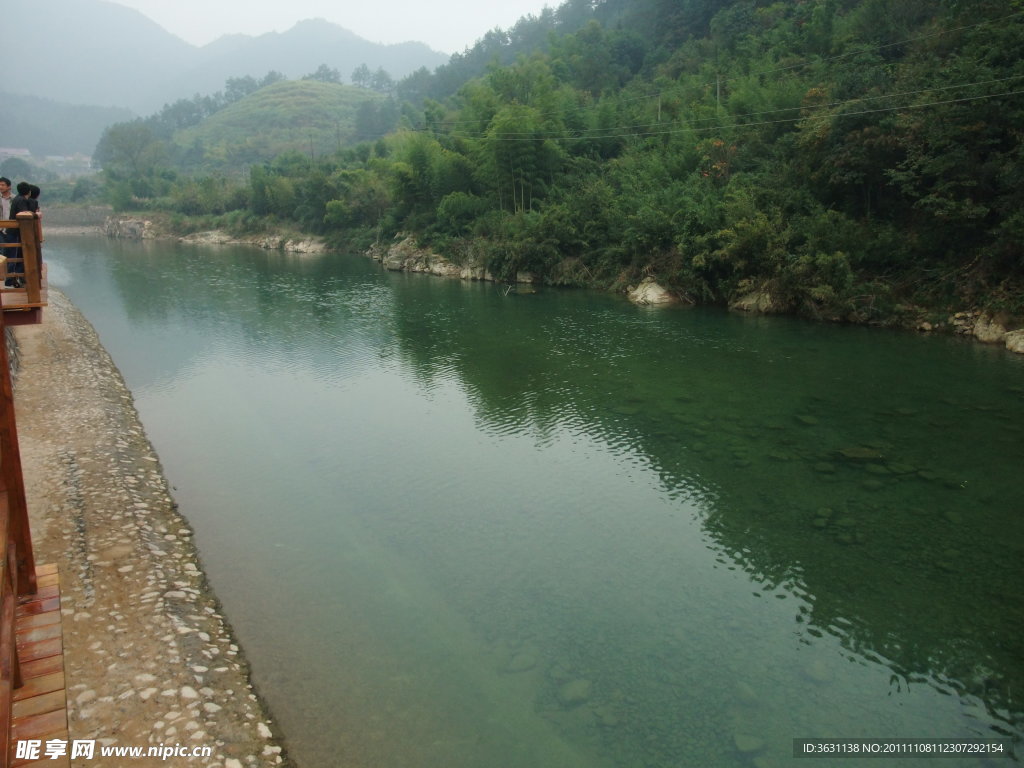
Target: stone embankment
{"type": "Point", "coordinates": [149, 657]}
{"type": "Point", "coordinates": [134, 228]}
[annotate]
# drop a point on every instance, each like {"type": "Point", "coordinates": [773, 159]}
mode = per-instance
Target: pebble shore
{"type": "Point", "coordinates": [149, 657]}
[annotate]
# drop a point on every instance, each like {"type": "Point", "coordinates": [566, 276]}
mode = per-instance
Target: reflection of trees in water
{"type": "Point", "coordinates": [893, 557]}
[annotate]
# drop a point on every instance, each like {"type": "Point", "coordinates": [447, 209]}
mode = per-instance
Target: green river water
{"type": "Point", "coordinates": [455, 528]}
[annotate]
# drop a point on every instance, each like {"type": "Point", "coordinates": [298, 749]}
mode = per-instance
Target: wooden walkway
{"type": "Point", "coordinates": [33, 696]}
{"type": "Point", "coordinates": [20, 310]}
{"type": "Point", "coordinates": [24, 260]}
{"type": "Point", "coordinates": [40, 705]}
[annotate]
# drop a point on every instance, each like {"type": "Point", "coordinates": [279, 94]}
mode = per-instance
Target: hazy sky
{"type": "Point", "coordinates": [445, 25]}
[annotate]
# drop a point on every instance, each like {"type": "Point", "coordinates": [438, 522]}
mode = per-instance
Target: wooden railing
{"type": "Point", "coordinates": [24, 260]}
{"type": "Point", "coordinates": [17, 563]}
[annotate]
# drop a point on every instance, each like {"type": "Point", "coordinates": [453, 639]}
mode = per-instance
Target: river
{"type": "Point", "coordinates": [456, 528]}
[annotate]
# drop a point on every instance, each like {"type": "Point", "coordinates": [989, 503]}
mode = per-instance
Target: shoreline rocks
{"type": "Point", "coordinates": [129, 228]}
{"type": "Point", "coordinates": [648, 292]}
{"type": "Point", "coordinates": [756, 302]}
{"type": "Point", "coordinates": [986, 328]}
{"type": "Point", "coordinates": [406, 255]}
{"type": "Point", "coordinates": [134, 228]}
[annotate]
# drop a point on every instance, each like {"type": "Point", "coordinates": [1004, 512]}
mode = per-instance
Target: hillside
{"type": "Point", "coordinates": [305, 116]}
{"type": "Point", "coordinates": [842, 159]}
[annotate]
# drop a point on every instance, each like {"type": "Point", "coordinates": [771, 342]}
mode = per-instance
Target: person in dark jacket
{"type": "Point", "coordinates": [20, 204]}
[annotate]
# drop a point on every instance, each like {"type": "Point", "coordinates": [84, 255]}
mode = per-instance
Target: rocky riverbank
{"type": "Point", "coordinates": [134, 228]}
{"type": "Point", "coordinates": [404, 254]}
{"type": "Point", "coordinates": [149, 657]}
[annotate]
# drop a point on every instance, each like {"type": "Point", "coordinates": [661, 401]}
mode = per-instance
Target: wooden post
{"type": "Point", "coordinates": [30, 256]}
{"type": "Point", "coordinates": [18, 531]}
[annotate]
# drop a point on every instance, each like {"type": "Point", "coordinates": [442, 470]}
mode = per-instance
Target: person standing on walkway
{"type": "Point", "coordinates": [5, 198]}
{"type": "Point", "coordinates": [20, 204]}
{"type": "Point", "coordinates": [6, 236]}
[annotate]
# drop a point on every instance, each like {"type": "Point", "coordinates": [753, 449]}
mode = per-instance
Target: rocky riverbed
{"type": "Point", "coordinates": [149, 657]}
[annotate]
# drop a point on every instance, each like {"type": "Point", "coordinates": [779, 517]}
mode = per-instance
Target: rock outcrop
{"type": "Point", "coordinates": [407, 256]}
{"type": "Point", "coordinates": [129, 228]}
{"type": "Point", "coordinates": [266, 242]}
{"type": "Point", "coordinates": [649, 292]}
{"type": "Point", "coordinates": [759, 301]}
{"type": "Point", "coordinates": [989, 330]}
{"type": "Point", "coordinates": [1015, 341]}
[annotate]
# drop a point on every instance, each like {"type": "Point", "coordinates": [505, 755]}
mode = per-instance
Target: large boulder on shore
{"type": "Point", "coordinates": [989, 330]}
{"type": "Point", "coordinates": [649, 292]}
{"type": "Point", "coordinates": [1015, 341]}
{"type": "Point", "coordinates": [407, 256]}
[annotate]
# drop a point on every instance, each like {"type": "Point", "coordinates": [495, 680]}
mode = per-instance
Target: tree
{"type": "Point", "coordinates": [273, 76]}
{"type": "Point", "coordinates": [129, 150]}
{"type": "Point", "coordinates": [16, 168]}
{"type": "Point", "coordinates": [361, 76]}
{"type": "Point", "coordinates": [381, 81]}
{"type": "Point", "coordinates": [324, 74]}
{"type": "Point", "coordinates": [514, 158]}
{"type": "Point", "coordinates": [237, 88]}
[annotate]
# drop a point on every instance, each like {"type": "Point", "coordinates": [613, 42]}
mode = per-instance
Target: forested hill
{"type": "Point", "coordinates": [844, 156]}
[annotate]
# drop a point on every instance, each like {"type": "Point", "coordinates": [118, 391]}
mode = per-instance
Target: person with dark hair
{"type": "Point", "coordinates": [33, 196]}
{"type": "Point", "coordinates": [20, 204]}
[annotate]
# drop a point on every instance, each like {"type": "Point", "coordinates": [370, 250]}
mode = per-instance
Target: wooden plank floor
{"type": "Point", "coordinates": [17, 298]}
{"type": "Point", "coordinates": [40, 705]}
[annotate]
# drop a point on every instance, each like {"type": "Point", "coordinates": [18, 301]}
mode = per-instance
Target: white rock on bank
{"type": "Point", "coordinates": [989, 330]}
{"type": "Point", "coordinates": [1015, 341]}
{"type": "Point", "coordinates": [649, 292]}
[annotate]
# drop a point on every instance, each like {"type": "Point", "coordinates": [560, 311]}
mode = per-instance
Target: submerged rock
{"type": "Point", "coordinates": [606, 717]}
{"type": "Point", "coordinates": [860, 453]}
{"type": "Point", "coordinates": [818, 672]}
{"type": "Point", "coordinates": [747, 743]}
{"type": "Point", "coordinates": [521, 662]}
{"type": "Point", "coordinates": [575, 693]}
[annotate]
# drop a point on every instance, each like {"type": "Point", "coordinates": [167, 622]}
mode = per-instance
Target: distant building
{"type": "Point", "coordinates": [6, 152]}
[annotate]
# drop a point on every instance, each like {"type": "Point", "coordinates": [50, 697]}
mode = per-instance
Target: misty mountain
{"type": "Point", "coordinates": [298, 52]}
{"type": "Point", "coordinates": [98, 53]}
{"type": "Point", "coordinates": [90, 52]}
{"type": "Point", "coordinates": [47, 127]}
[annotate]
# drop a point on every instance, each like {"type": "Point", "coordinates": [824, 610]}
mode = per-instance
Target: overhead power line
{"type": "Point", "coordinates": [669, 93]}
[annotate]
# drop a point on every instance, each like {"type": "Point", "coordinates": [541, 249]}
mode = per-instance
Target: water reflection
{"type": "Point", "coordinates": [559, 530]}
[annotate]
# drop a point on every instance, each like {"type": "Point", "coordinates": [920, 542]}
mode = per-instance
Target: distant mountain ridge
{"type": "Point", "coordinates": [47, 127]}
{"type": "Point", "coordinates": [98, 53]}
